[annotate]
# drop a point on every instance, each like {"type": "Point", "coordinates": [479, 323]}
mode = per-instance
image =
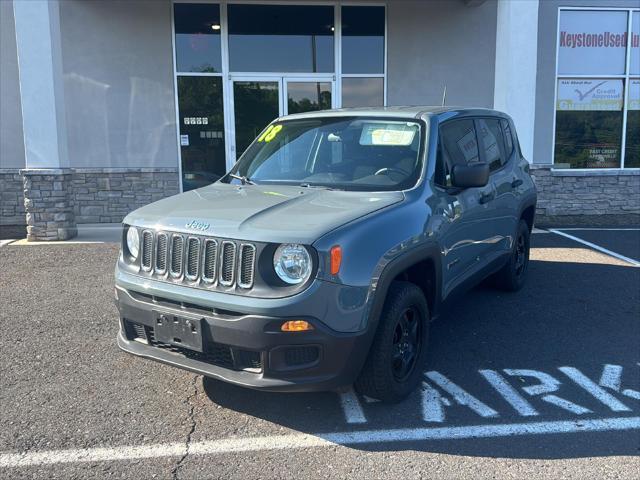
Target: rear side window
{"type": "Point", "coordinates": [508, 138]}
{"type": "Point", "coordinates": [492, 142]}
{"type": "Point", "coordinates": [457, 145]}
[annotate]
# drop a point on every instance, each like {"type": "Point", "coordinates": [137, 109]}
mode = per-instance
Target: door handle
{"type": "Point", "coordinates": [452, 210]}
{"type": "Point", "coordinates": [486, 197]}
{"type": "Point", "coordinates": [516, 183]}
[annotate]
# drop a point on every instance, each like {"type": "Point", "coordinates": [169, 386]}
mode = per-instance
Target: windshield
{"type": "Point", "coordinates": [342, 153]}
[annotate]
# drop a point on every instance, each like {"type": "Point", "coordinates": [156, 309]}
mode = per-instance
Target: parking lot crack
{"type": "Point", "coordinates": [192, 429]}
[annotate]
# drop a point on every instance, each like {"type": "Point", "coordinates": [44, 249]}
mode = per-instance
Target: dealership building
{"type": "Point", "coordinates": [106, 106]}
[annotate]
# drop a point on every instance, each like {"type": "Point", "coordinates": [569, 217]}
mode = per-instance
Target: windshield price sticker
{"type": "Point", "coordinates": [270, 133]}
{"type": "Point", "coordinates": [388, 134]}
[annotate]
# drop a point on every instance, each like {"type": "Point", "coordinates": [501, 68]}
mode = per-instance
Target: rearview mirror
{"type": "Point", "coordinates": [470, 176]}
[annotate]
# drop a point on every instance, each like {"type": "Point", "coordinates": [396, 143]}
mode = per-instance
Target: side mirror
{"type": "Point", "coordinates": [470, 176]}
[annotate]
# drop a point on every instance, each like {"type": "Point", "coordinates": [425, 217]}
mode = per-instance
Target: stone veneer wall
{"type": "Point", "coordinates": [56, 200]}
{"type": "Point", "coordinates": [11, 197]}
{"type": "Point", "coordinates": [49, 204]}
{"type": "Point", "coordinates": [107, 195]}
{"type": "Point", "coordinates": [568, 197]}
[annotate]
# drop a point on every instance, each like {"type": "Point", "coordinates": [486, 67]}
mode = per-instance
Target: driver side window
{"type": "Point", "coordinates": [457, 145]}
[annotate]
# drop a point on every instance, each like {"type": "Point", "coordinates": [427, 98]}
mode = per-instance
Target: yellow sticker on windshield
{"type": "Point", "coordinates": [272, 133]}
{"type": "Point", "coordinates": [264, 134]}
{"type": "Point", "coordinates": [386, 136]}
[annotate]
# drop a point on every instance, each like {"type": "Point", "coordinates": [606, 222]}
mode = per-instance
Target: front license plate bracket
{"type": "Point", "coordinates": [179, 331]}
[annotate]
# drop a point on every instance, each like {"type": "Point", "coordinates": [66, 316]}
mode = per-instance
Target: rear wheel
{"type": "Point", "coordinates": [513, 275]}
{"type": "Point", "coordinates": [396, 359]}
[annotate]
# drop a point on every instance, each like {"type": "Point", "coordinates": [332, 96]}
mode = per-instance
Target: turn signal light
{"type": "Point", "coordinates": [336, 259]}
{"type": "Point", "coordinates": [296, 326]}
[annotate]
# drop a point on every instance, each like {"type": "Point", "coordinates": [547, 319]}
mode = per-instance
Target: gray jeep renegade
{"type": "Point", "coordinates": [319, 260]}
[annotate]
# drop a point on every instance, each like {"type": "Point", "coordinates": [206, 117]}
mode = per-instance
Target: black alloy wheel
{"type": "Point", "coordinates": [397, 356]}
{"type": "Point", "coordinates": [407, 343]}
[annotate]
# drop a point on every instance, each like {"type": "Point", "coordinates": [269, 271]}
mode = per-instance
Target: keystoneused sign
{"type": "Point", "coordinates": [592, 42]}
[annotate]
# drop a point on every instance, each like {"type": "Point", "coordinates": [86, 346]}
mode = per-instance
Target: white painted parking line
{"type": "Point", "coordinates": [597, 229]}
{"type": "Point", "coordinates": [460, 396]}
{"type": "Point", "coordinates": [631, 393]}
{"type": "Point", "coordinates": [611, 377]}
{"type": "Point", "coordinates": [509, 393]}
{"type": "Point", "coordinates": [351, 407]}
{"type": "Point", "coordinates": [565, 404]}
{"type": "Point", "coordinates": [594, 389]}
{"type": "Point", "coordinates": [297, 441]}
{"type": "Point", "coordinates": [633, 262]}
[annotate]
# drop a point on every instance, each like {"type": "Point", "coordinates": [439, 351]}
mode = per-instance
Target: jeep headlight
{"type": "Point", "coordinates": [133, 242]}
{"type": "Point", "coordinates": [292, 263]}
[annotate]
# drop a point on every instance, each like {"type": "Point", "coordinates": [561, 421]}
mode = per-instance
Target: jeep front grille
{"type": "Point", "coordinates": [228, 264]}
{"type": "Point", "coordinates": [147, 249]}
{"type": "Point", "coordinates": [162, 243]}
{"type": "Point", "coordinates": [197, 260]}
{"type": "Point", "coordinates": [209, 260]}
{"type": "Point", "coordinates": [177, 252]}
{"type": "Point", "coordinates": [247, 262]}
{"type": "Point", "coordinates": [193, 258]}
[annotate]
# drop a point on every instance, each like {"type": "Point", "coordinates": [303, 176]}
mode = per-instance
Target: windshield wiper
{"type": "Point", "coordinates": [322, 187]}
{"type": "Point", "coordinates": [245, 180]}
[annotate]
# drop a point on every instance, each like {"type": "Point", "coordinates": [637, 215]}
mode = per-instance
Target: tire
{"type": "Point", "coordinates": [513, 275]}
{"type": "Point", "coordinates": [387, 375]}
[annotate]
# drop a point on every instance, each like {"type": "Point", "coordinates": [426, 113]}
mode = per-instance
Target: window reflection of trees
{"type": "Point", "coordinates": [588, 139]}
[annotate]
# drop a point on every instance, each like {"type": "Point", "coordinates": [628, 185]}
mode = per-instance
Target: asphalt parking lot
{"type": "Point", "coordinates": [544, 383]}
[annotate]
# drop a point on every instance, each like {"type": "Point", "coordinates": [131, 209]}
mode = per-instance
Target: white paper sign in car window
{"type": "Point", "coordinates": [589, 94]}
{"type": "Point", "coordinates": [392, 134]}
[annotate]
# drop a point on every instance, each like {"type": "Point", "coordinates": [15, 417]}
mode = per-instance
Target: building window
{"type": "Point", "coordinates": [308, 96]}
{"type": "Point", "coordinates": [632, 148]}
{"type": "Point", "coordinates": [238, 65]}
{"type": "Point", "coordinates": [362, 92]}
{"type": "Point", "coordinates": [363, 54]}
{"type": "Point", "coordinates": [281, 38]}
{"type": "Point", "coordinates": [595, 128]}
{"type": "Point", "coordinates": [201, 130]}
{"type": "Point", "coordinates": [197, 40]}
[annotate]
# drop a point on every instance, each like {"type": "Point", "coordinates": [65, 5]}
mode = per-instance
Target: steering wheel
{"type": "Point", "coordinates": [391, 169]}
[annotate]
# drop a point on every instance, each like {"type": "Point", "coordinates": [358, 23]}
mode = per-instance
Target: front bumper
{"type": "Point", "coordinates": [245, 349]}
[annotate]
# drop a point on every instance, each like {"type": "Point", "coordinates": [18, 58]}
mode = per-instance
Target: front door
{"type": "Point", "coordinates": [467, 230]}
{"type": "Point", "coordinates": [259, 100]}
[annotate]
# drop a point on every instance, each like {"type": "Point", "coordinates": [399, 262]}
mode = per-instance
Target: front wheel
{"type": "Point", "coordinates": [513, 275]}
{"type": "Point", "coordinates": [394, 366]}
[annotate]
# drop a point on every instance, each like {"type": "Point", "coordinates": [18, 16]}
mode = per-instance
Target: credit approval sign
{"type": "Point", "coordinates": [590, 94]}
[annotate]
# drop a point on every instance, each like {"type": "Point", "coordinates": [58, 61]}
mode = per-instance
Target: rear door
{"type": "Point", "coordinates": [465, 224]}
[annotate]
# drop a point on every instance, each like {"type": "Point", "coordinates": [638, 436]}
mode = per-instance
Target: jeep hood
{"type": "Point", "coordinates": [263, 213]}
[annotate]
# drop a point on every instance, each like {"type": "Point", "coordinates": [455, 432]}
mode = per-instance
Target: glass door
{"type": "Point", "coordinates": [201, 130]}
{"type": "Point", "coordinates": [259, 100]}
{"type": "Point", "coordinates": [256, 102]}
{"type": "Point", "coordinates": [307, 95]}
